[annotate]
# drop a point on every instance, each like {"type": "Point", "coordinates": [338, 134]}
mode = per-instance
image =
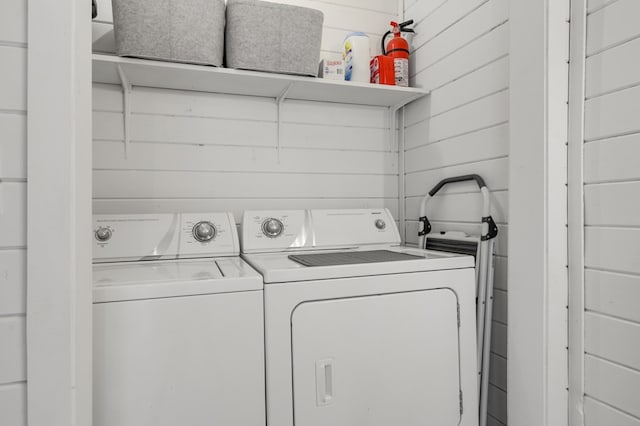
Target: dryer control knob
{"type": "Point", "coordinates": [272, 228]}
{"type": "Point", "coordinates": [380, 224]}
{"type": "Point", "coordinates": [204, 231]}
{"type": "Point", "coordinates": [103, 234]}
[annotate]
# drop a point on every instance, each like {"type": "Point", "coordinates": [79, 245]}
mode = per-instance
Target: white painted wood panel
{"type": "Point", "coordinates": [612, 25]}
{"type": "Point", "coordinates": [613, 249]}
{"type": "Point", "coordinates": [498, 371]}
{"type": "Point", "coordinates": [612, 160]}
{"type": "Point", "coordinates": [500, 306]}
{"type": "Point", "coordinates": [613, 294]}
{"type": "Point", "coordinates": [494, 172]}
{"type": "Point", "coordinates": [239, 132]}
{"type": "Point", "coordinates": [613, 339]}
{"type": "Point", "coordinates": [469, 58]}
{"type": "Point", "coordinates": [148, 156]}
{"type": "Point", "coordinates": [13, 356]}
{"type": "Point", "coordinates": [481, 114]}
{"type": "Point", "coordinates": [13, 282]}
{"type": "Point", "coordinates": [499, 339]}
{"type": "Point", "coordinates": [613, 384]}
{"type": "Point", "coordinates": [613, 69]}
{"type": "Point", "coordinates": [151, 101]}
{"type": "Point", "coordinates": [429, 50]}
{"type": "Point", "coordinates": [599, 414]}
{"type": "Point", "coordinates": [13, 20]}
{"type": "Point", "coordinates": [498, 404]}
{"type": "Point", "coordinates": [13, 404]}
{"type": "Point", "coordinates": [187, 184]}
{"type": "Point", "coordinates": [501, 270]}
{"type": "Point", "coordinates": [613, 115]}
{"type": "Point", "coordinates": [418, 10]}
{"type": "Point", "coordinates": [13, 78]}
{"type": "Point", "coordinates": [594, 5]}
{"type": "Point", "coordinates": [490, 79]}
{"type": "Point", "coordinates": [13, 149]}
{"type": "Point", "coordinates": [492, 421]}
{"type": "Point", "coordinates": [483, 144]}
{"type": "Point", "coordinates": [612, 204]}
{"type": "Point", "coordinates": [13, 205]}
{"type": "Point", "coordinates": [612, 233]}
{"type": "Point", "coordinates": [442, 18]}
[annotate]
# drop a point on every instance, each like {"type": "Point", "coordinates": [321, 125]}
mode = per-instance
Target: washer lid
{"type": "Point", "coordinates": [279, 268]}
{"type": "Point", "coordinates": [157, 279]}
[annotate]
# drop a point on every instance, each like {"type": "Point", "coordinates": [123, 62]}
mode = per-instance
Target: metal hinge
{"type": "Point", "coordinates": [461, 408]}
{"type": "Point", "coordinates": [458, 307]}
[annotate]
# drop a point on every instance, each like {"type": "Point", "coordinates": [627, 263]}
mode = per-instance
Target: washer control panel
{"type": "Point", "coordinates": [163, 236]}
{"type": "Point", "coordinates": [274, 230]}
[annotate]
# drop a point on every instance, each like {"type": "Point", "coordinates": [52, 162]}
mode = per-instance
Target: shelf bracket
{"type": "Point", "coordinates": [127, 88]}
{"type": "Point", "coordinates": [279, 102]}
{"type": "Point", "coordinates": [392, 119]}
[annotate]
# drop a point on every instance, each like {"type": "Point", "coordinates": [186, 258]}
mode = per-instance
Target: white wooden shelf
{"type": "Point", "coordinates": [169, 75]}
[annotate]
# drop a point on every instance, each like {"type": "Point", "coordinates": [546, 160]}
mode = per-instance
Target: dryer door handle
{"type": "Point", "coordinates": [324, 382]}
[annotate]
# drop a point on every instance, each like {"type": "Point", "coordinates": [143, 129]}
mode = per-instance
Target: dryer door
{"type": "Point", "coordinates": [377, 360]}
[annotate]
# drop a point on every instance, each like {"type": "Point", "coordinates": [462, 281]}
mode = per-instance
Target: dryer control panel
{"type": "Point", "coordinates": [265, 231]}
{"type": "Point", "coordinates": [276, 231]}
{"type": "Point", "coordinates": [133, 237]}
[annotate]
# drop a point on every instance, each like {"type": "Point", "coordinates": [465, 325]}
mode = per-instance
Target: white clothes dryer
{"type": "Point", "coordinates": [178, 333]}
{"type": "Point", "coordinates": [360, 330]}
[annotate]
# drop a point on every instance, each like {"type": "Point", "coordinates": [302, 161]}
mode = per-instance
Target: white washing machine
{"type": "Point", "coordinates": [178, 335]}
{"type": "Point", "coordinates": [359, 330]}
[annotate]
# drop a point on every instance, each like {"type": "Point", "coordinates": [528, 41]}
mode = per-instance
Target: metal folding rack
{"type": "Point", "coordinates": [482, 249]}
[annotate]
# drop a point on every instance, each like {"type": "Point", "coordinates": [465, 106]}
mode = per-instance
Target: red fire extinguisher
{"type": "Point", "coordinates": [398, 49]}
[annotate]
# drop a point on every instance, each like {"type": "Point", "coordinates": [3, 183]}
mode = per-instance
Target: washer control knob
{"type": "Point", "coordinates": [272, 228]}
{"type": "Point", "coordinates": [380, 224]}
{"type": "Point", "coordinates": [103, 234]}
{"type": "Point", "coordinates": [204, 231]}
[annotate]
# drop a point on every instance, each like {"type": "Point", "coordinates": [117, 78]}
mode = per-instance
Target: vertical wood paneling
{"type": "Point", "coordinates": [460, 54]}
{"type": "Point", "coordinates": [612, 209]}
{"type": "Point", "coordinates": [13, 188]}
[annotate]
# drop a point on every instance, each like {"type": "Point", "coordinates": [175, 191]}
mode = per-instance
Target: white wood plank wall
{"type": "Point", "coordinates": [612, 214]}
{"type": "Point", "coordinates": [460, 53]}
{"type": "Point", "coordinates": [13, 189]}
{"type": "Point", "coordinates": [194, 151]}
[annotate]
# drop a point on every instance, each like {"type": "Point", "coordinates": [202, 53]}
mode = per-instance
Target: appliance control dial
{"type": "Point", "coordinates": [204, 231]}
{"type": "Point", "coordinates": [103, 234]}
{"type": "Point", "coordinates": [272, 227]}
{"type": "Point", "coordinates": [380, 224]}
